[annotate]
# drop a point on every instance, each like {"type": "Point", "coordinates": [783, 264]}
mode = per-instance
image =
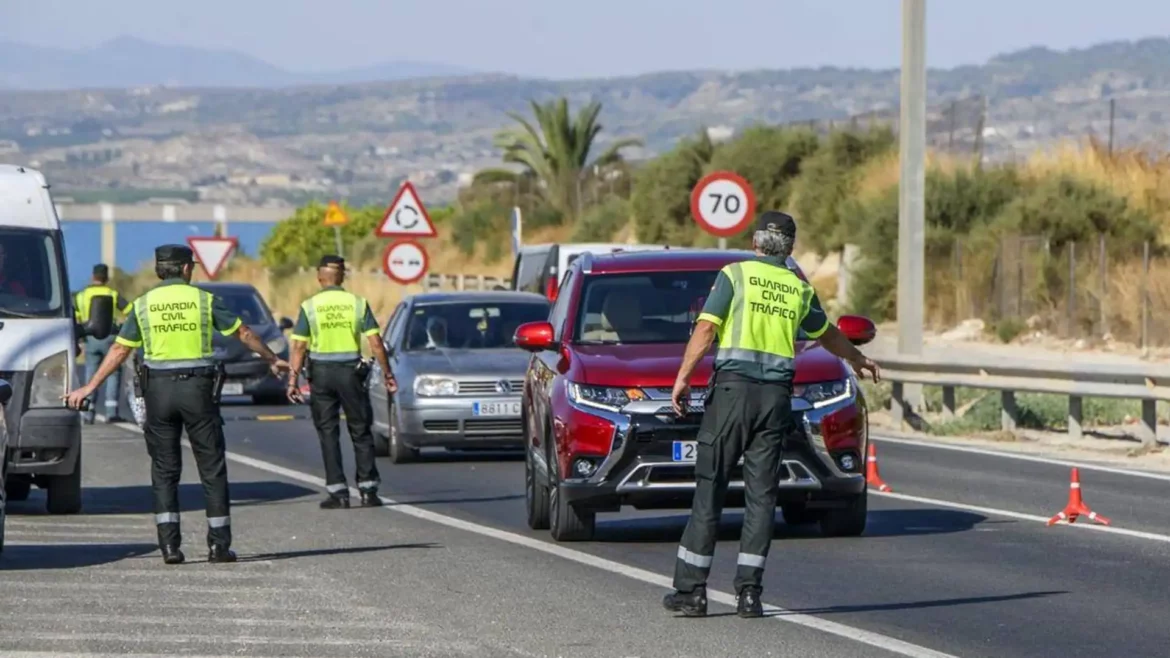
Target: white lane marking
{"type": "Point", "coordinates": [1023, 517]}
{"type": "Point", "coordinates": [862, 636]}
{"type": "Point", "coordinates": [1090, 466]}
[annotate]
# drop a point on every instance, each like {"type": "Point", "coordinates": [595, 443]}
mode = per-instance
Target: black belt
{"type": "Point", "coordinates": [177, 373]}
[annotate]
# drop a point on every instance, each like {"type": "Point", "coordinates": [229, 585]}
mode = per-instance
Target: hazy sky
{"type": "Point", "coordinates": [574, 38]}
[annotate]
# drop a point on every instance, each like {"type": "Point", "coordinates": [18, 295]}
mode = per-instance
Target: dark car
{"type": "Point", "coordinates": [247, 373]}
{"type": "Point", "coordinates": [599, 428]}
{"type": "Point", "coordinates": [5, 396]}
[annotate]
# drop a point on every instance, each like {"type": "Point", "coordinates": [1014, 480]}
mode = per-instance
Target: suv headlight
{"type": "Point", "coordinates": [822, 394]}
{"type": "Point", "coordinates": [435, 386]}
{"type": "Point", "coordinates": [604, 397]}
{"type": "Point", "coordinates": [49, 381]}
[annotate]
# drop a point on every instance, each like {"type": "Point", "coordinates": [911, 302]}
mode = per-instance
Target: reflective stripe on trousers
{"type": "Point", "coordinates": [694, 559]}
{"type": "Point", "coordinates": [166, 517]}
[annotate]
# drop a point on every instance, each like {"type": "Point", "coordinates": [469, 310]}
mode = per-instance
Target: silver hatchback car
{"type": "Point", "coordinates": [460, 376]}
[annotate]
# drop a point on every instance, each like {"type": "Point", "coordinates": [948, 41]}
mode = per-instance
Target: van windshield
{"type": "Point", "coordinates": [31, 284]}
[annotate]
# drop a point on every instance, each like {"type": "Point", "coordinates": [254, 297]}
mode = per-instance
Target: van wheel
{"type": "Point", "coordinates": [17, 488]}
{"type": "Point", "coordinates": [567, 522]}
{"type": "Point", "coordinates": [65, 490]}
{"type": "Point", "coordinates": [399, 453]}
{"type": "Point", "coordinates": [536, 496]}
{"type": "Point", "coordinates": [846, 522]}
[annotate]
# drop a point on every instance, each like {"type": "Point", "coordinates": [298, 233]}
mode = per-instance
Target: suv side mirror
{"type": "Point", "coordinates": [5, 392]}
{"type": "Point", "coordinates": [534, 336]}
{"type": "Point", "coordinates": [858, 329]}
{"type": "Point", "coordinates": [101, 317]}
{"type": "Point", "coordinates": [286, 324]}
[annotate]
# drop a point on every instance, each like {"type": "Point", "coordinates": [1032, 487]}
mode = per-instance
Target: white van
{"type": "Point", "coordinates": [38, 344]}
{"type": "Point", "coordinates": [540, 267]}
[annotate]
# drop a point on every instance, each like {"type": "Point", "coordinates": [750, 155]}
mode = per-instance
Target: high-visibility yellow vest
{"type": "Point", "coordinates": [176, 324]}
{"type": "Point", "coordinates": [83, 299]}
{"type": "Point", "coordinates": [768, 304]}
{"type": "Point", "coordinates": [335, 320]}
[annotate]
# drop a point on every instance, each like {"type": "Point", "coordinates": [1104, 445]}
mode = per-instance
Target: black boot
{"type": "Point", "coordinates": [371, 499]}
{"type": "Point", "coordinates": [172, 555]}
{"type": "Point", "coordinates": [335, 502]}
{"type": "Point", "coordinates": [748, 602]}
{"type": "Point", "coordinates": [218, 553]}
{"type": "Point", "coordinates": [691, 604]}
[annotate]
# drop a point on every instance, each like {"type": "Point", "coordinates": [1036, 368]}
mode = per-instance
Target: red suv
{"type": "Point", "coordinates": [599, 428]}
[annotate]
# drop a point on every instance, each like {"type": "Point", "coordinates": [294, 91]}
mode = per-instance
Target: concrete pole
{"type": "Point", "coordinates": [108, 236]}
{"type": "Point", "coordinates": [911, 189]}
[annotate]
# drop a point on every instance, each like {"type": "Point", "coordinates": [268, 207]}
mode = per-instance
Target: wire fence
{"type": "Point", "coordinates": [1098, 290]}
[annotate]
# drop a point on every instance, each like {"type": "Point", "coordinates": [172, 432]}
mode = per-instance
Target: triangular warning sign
{"type": "Point", "coordinates": [406, 216]}
{"type": "Point", "coordinates": [335, 216]}
{"type": "Point", "coordinates": [213, 253]}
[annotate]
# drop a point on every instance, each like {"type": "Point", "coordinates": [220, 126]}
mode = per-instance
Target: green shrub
{"type": "Point", "coordinates": [601, 222]}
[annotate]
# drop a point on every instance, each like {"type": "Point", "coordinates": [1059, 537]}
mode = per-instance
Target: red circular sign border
{"type": "Point", "coordinates": [386, 261]}
{"type": "Point", "coordinates": [696, 198]}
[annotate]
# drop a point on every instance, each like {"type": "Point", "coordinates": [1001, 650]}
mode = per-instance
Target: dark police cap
{"type": "Point", "coordinates": [101, 270]}
{"type": "Point", "coordinates": [330, 260]}
{"type": "Point", "coordinates": [173, 253]}
{"type": "Point", "coordinates": [779, 222]}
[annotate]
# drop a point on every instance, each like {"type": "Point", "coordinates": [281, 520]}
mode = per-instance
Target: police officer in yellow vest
{"type": "Point", "coordinates": [96, 349]}
{"type": "Point", "coordinates": [173, 324]}
{"type": "Point", "coordinates": [756, 307]}
{"type": "Point", "coordinates": [330, 325]}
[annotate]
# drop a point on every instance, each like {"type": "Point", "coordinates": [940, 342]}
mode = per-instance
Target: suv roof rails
{"type": "Point", "coordinates": [586, 262]}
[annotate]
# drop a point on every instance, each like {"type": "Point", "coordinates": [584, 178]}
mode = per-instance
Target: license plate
{"type": "Point", "coordinates": [495, 408]}
{"type": "Point", "coordinates": [684, 451]}
{"type": "Point", "coordinates": [233, 388]}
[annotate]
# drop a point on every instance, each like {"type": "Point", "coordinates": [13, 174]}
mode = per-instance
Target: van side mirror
{"type": "Point", "coordinates": [101, 317]}
{"type": "Point", "coordinates": [5, 392]}
{"type": "Point", "coordinates": [286, 324]}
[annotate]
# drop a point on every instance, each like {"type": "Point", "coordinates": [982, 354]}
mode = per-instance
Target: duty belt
{"type": "Point", "coordinates": [180, 373]}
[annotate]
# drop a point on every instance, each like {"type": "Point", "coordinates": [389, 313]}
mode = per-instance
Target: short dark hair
{"type": "Point", "coordinates": [169, 269]}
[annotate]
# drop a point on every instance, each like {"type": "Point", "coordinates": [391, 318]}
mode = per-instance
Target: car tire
{"type": "Point", "coordinates": [65, 490]}
{"type": "Point", "coordinates": [3, 502]}
{"type": "Point", "coordinates": [17, 488]}
{"type": "Point", "coordinates": [800, 514]}
{"type": "Point", "coordinates": [536, 496]}
{"type": "Point", "coordinates": [566, 522]}
{"type": "Point", "coordinates": [398, 452]}
{"type": "Point", "coordinates": [848, 521]}
{"type": "Point", "coordinates": [381, 444]}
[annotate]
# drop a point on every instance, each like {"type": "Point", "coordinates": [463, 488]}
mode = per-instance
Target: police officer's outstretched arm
{"type": "Point", "coordinates": [817, 326]}
{"type": "Point", "coordinates": [373, 335]}
{"type": "Point", "coordinates": [128, 340]}
{"type": "Point", "coordinates": [298, 347]}
{"type": "Point", "coordinates": [229, 324]}
{"type": "Point", "coordinates": [713, 315]}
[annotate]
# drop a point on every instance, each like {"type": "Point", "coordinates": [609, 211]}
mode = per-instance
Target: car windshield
{"type": "Point", "coordinates": [470, 325]}
{"type": "Point", "coordinates": [31, 284]}
{"type": "Point", "coordinates": [645, 307]}
{"type": "Point", "coordinates": [246, 304]}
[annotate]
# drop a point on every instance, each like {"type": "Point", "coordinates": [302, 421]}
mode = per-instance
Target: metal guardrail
{"type": "Point", "coordinates": [439, 281]}
{"type": "Point", "coordinates": [1149, 383]}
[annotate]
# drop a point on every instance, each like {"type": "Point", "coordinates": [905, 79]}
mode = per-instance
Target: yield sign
{"type": "Point", "coordinates": [406, 217]}
{"type": "Point", "coordinates": [213, 253]}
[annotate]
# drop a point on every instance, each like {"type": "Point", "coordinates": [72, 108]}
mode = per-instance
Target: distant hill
{"type": "Point", "coordinates": [132, 62]}
{"type": "Point", "coordinates": [358, 133]}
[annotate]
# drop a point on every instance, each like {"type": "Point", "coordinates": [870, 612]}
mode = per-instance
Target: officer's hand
{"type": "Point", "coordinates": [680, 396]}
{"type": "Point", "coordinates": [75, 398]}
{"type": "Point", "coordinates": [280, 367]}
{"type": "Point", "coordinates": [294, 394]}
{"type": "Point", "coordinates": [391, 383]}
{"type": "Point", "coordinates": [865, 363]}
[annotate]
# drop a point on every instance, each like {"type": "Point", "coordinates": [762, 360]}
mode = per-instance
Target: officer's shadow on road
{"type": "Point", "coordinates": [40, 557]}
{"type": "Point", "coordinates": [907, 605]}
{"type": "Point", "coordinates": [319, 552]}
{"type": "Point", "coordinates": [880, 523]}
{"type": "Point", "coordinates": [137, 499]}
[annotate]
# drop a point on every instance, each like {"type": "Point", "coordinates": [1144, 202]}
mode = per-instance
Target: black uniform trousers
{"type": "Point", "coordinates": [743, 418]}
{"type": "Point", "coordinates": [174, 402]}
{"type": "Point", "coordinates": [333, 386]}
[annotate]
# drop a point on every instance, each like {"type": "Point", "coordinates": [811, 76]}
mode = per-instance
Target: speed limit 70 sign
{"type": "Point", "coordinates": [723, 203]}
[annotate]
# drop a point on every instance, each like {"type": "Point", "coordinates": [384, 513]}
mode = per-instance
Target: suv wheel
{"type": "Point", "coordinates": [536, 496]}
{"type": "Point", "coordinates": [848, 521]}
{"type": "Point", "coordinates": [568, 523]}
{"type": "Point", "coordinates": [17, 488]}
{"type": "Point", "coordinates": [800, 514]}
{"type": "Point", "coordinates": [399, 453]}
{"type": "Point", "coordinates": [65, 490]}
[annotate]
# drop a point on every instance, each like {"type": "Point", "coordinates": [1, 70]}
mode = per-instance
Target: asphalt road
{"type": "Point", "coordinates": [964, 565]}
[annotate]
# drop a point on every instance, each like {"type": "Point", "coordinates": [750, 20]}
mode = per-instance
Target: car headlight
{"type": "Point", "coordinates": [604, 397]}
{"type": "Point", "coordinates": [822, 394]}
{"type": "Point", "coordinates": [435, 386]}
{"type": "Point", "coordinates": [49, 381]}
{"type": "Point", "coordinates": [278, 344]}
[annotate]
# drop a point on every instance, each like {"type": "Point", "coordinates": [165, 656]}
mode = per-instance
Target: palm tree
{"type": "Point", "coordinates": [554, 158]}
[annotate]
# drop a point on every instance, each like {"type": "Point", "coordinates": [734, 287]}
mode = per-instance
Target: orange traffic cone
{"type": "Point", "coordinates": [871, 471]}
{"type": "Point", "coordinates": [1076, 507]}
